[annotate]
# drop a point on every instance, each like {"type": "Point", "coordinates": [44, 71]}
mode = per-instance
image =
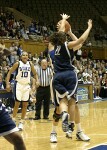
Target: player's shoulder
{"type": "Point", "coordinates": [17, 62]}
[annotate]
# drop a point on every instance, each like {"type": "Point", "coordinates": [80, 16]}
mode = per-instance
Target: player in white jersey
{"type": "Point", "coordinates": [23, 70]}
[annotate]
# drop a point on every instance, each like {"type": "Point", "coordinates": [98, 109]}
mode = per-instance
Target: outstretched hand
{"type": "Point", "coordinates": [64, 16]}
{"type": "Point", "coordinates": [90, 23]}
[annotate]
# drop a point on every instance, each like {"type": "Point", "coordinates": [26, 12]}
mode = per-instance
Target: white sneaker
{"type": "Point", "coordinates": [65, 125]}
{"type": "Point", "coordinates": [53, 137]}
{"type": "Point", "coordinates": [20, 126]}
{"type": "Point", "coordinates": [81, 136]}
{"type": "Point", "coordinates": [69, 134]}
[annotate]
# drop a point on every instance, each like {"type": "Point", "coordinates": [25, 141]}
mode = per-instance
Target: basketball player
{"type": "Point", "coordinates": [23, 69]}
{"type": "Point", "coordinates": [64, 75]}
{"type": "Point", "coordinates": [8, 128]}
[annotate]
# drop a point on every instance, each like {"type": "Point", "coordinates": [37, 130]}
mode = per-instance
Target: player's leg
{"type": "Point", "coordinates": [24, 110]}
{"type": "Point", "coordinates": [24, 98]}
{"type": "Point", "coordinates": [16, 139]}
{"type": "Point", "coordinates": [18, 95]}
{"type": "Point", "coordinates": [9, 130]}
{"type": "Point", "coordinates": [59, 82]}
{"type": "Point", "coordinates": [15, 109]}
{"type": "Point", "coordinates": [56, 117]}
{"type": "Point", "coordinates": [79, 134]}
{"type": "Point", "coordinates": [63, 106]}
{"type": "Point", "coordinates": [71, 111]}
{"type": "Point", "coordinates": [71, 122]}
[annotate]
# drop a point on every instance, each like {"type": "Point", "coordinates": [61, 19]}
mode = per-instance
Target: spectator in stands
{"type": "Point", "coordinates": [84, 79]}
{"type": "Point", "coordinates": [19, 50]}
{"type": "Point", "coordinates": [23, 33]}
{"type": "Point", "coordinates": [32, 29]}
{"type": "Point", "coordinates": [44, 31]}
{"type": "Point", "coordinates": [13, 56]}
{"type": "Point", "coordinates": [2, 84]}
{"type": "Point", "coordinates": [30, 56]}
{"type": "Point", "coordinates": [90, 54]}
{"type": "Point", "coordinates": [79, 55]}
{"type": "Point", "coordinates": [89, 79]}
{"type": "Point", "coordinates": [103, 92]}
{"type": "Point", "coordinates": [85, 72]}
{"type": "Point", "coordinates": [97, 86]}
{"type": "Point", "coordinates": [2, 45]}
{"type": "Point", "coordinates": [41, 56]}
{"type": "Point", "coordinates": [6, 59]}
{"type": "Point", "coordinates": [84, 55]}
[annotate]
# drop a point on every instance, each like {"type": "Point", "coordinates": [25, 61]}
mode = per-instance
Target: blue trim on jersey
{"type": "Point", "coordinates": [52, 54]}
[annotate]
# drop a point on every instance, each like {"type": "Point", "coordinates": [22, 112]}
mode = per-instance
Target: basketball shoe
{"type": "Point", "coordinates": [82, 137]}
{"type": "Point", "coordinates": [65, 125]}
{"type": "Point", "coordinates": [70, 130]}
{"type": "Point", "coordinates": [20, 126]}
{"type": "Point", "coordinates": [53, 137]}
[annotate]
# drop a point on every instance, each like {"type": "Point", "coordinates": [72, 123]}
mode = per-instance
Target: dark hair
{"type": "Point", "coordinates": [57, 38]}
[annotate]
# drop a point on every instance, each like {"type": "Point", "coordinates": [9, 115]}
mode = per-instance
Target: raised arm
{"type": "Point", "coordinates": [71, 34]}
{"type": "Point", "coordinates": [61, 27]}
{"type": "Point", "coordinates": [74, 38]}
{"type": "Point", "coordinates": [83, 38]}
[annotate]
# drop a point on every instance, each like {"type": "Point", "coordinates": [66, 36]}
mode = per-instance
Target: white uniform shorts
{"type": "Point", "coordinates": [22, 92]}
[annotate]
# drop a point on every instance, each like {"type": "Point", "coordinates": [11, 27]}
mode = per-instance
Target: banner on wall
{"type": "Point", "coordinates": [82, 93]}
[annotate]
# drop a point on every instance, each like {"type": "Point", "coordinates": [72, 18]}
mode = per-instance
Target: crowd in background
{"type": "Point", "coordinates": [15, 29]}
{"type": "Point", "coordinates": [89, 70]}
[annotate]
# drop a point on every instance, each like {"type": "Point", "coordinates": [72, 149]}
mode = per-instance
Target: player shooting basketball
{"type": "Point", "coordinates": [65, 79]}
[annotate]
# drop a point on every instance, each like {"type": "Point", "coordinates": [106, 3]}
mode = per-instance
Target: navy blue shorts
{"type": "Point", "coordinates": [65, 84]}
{"type": "Point", "coordinates": [7, 125]}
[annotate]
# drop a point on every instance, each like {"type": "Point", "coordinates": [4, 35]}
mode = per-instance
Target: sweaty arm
{"type": "Point", "coordinates": [83, 37]}
{"type": "Point", "coordinates": [74, 38]}
{"type": "Point", "coordinates": [12, 69]}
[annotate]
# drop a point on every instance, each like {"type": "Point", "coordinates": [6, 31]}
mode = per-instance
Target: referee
{"type": "Point", "coordinates": [43, 91]}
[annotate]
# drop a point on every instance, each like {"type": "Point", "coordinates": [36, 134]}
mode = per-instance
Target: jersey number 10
{"type": "Point", "coordinates": [24, 74]}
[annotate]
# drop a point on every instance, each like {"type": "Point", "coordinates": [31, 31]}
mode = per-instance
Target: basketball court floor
{"type": "Point", "coordinates": [36, 134]}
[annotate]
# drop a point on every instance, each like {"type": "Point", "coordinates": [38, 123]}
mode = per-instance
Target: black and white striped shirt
{"type": "Point", "coordinates": [45, 76]}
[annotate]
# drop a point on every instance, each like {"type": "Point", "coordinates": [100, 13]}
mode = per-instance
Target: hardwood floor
{"type": "Point", "coordinates": [36, 133]}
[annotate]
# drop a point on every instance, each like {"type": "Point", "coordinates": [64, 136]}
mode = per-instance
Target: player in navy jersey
{"type": "Point", "coordinates": [8, 128]}
{"type": "Point", "coordinates": [65, 78]}
{"type": "Point", "coordinates": [23, 69]}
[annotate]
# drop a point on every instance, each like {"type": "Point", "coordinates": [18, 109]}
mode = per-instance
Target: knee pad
{"type": "Point", "coordinates": [56, 116]}
{"type": "Point", "coordinates": [71, 126]}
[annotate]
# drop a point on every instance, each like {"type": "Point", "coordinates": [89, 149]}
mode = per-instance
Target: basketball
{"type": "Point", "coordinates": [67, 26]}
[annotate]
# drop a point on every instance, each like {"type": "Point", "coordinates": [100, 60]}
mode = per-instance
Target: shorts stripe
{"type": "Point", "coordinates": [9, 132]}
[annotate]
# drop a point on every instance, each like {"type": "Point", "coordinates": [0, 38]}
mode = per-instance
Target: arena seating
{"type": "Point", "coordinates": [80, 11]}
